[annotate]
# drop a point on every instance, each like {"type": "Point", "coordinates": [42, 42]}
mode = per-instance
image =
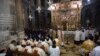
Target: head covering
{"type": "Point", "coordinates": [12, 47]}
{"type": "Point", "coordinates": [23, 42]}
{"type": "Point", "coordinates": [28, 41]}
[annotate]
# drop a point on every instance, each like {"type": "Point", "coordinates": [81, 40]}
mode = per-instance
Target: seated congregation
{"type": "Point", "coordinates": [34, 47]}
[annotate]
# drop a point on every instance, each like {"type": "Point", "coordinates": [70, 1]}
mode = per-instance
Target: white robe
{"type": "Point", "coordinates": [96, 51]}
{"type": "Point", "coordinates": [77, 35]}
{"type": "Point", "coordinates": [82, 36]}
{"type": "Point", "coordinates": [54, 51]}
{"type": "Point", "coordinates": [92, 32]}
{"type": "Point", "coordinates": [86, 33]}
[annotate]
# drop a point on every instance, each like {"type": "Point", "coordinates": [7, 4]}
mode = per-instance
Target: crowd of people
{"type": "Point", "coordinates": [44, 45]}
{"type": "Point", "coordinates": [40, 43]}
{"type": "Point", "coordinates": [89, 39]}
{"type": "Point", "coordinates": [84, 33]}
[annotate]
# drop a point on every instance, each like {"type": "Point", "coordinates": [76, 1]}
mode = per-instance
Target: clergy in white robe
{"type": "Point", "coordinates": [82, 35]}
{"type": "Point", "coordinates": [77, 36]}
{"type": "Point", "coordinates": [54, 50]}
{"type": "Point", "coordinates": [96, 50]}
{"type": "Point", "coordinates": [86, 32]}
{"type": "Point", "coordinates": [92, 31]}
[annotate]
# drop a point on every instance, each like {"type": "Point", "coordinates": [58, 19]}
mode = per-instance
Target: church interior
{"type": "Point", "coordinates": [49, 28]}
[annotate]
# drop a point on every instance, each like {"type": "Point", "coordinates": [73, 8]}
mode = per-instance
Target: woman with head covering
{"type": "Point", "coordinates": [45, 45]}
{"type": "Point", "coordinates": [40, 51]}
{"type": "Point", "coordinates": [11, 48]}
{"type": "Point", "coordinates": [21, 46]}
{"type": "Point", "coordinates": [12, 45]}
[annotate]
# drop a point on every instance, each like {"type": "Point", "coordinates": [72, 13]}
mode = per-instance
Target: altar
{"type": "Point", "coordinates": [66, 15]}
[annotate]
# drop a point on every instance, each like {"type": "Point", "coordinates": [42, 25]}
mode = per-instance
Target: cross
{"type": "Point", "coordinates": [50, 2]}
{"type": "Point", "coordinates": [39, 9]}
{"type": "Point", "coordinates": [30, 17]}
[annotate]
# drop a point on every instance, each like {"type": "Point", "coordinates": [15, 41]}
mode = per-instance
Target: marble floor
{"type": "Point", "coordinates": [70, 49]}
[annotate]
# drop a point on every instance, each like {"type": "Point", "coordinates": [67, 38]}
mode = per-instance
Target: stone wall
{"type": "Point", "coordinates": [7, 20]}
{"type": "Point", "coordinates": [6, 16]}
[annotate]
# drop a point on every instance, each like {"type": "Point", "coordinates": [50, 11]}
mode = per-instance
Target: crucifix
{"type": "Point", "coordinates": [50, 2]}
{"type": "Point", "coordinates": [39, 6]}
{"type": "Point", "coordinates": [39, 12]}
{"type": "Point", "coordinates": [30, 16]}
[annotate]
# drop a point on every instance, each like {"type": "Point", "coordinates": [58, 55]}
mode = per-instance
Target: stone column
{"type": "Point", "coordinates": [20, 15]}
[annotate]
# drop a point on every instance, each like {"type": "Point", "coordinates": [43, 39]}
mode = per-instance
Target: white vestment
{"type": "Point", "coordinates": [54, 51]}
{"type": "Point", "coordinates": [82, 36]}
{"type": "Point", "coordinates": [86, 33]}
{"type": "Point", "coordinates": [77, 35]}
{"type": "Point", "coordinates": [92, 32]}
{"type": "Point", "coordinates": [96, 51]}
